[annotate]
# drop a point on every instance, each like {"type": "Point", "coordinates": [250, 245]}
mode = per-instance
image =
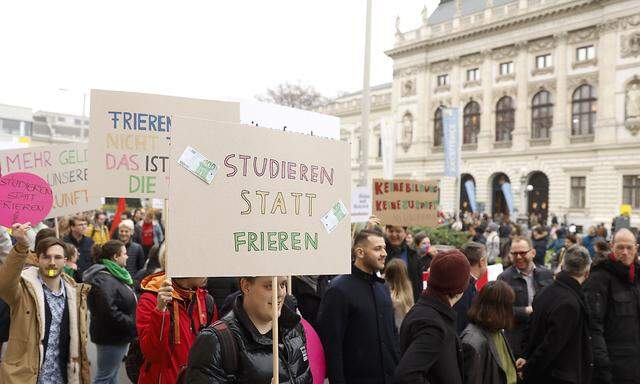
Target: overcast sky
{"type": "Point", "coordinates": [53, 52]}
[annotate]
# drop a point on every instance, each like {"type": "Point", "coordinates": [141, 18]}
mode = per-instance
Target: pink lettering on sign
{"type": "Point", "coordinates": [24, 197]}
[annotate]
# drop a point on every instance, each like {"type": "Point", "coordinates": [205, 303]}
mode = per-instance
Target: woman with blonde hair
{"type": "Point", "coordinates": [397, 279]}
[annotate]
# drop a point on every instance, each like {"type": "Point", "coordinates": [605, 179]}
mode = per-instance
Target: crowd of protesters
{"type": "Point", "coordinates": [566, 308]}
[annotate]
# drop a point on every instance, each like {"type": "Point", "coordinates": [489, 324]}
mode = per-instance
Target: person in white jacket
{"type": "Point", "coordinates": [493, 243]}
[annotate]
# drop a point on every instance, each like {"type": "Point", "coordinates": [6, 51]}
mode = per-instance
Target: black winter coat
{"type": "Point", "coordinates": [255, 357]}
{"type": "Point", "coordinates": [112, 304]}
{"type": "Point", "coordinates": [220, 288]}
{"type": "Point", "coordinates": [613, 302]}
{"type": "Point", "coordinates": [136, 259]}
{"type": "Point", "coordinates": [414, 265]}
{"type": "Point", "coordinates": [482, 363]}
{"type": "Point", "coordinates": [542, 277]}
{"type": "Point", "coordinates": [5, 321]}
{"type": "Point", "coordinates": [357, 327]}
{"type": "Point", "coordinates": [559, 348]}
{"type": "Point", "coordinates": [85, 251]}
{"type": "Point", "coordinates": [308, 298]}
{"type": "Point", "coordinates": [464, 304]}
{"type": "Point", "coordinates": [431, 349]}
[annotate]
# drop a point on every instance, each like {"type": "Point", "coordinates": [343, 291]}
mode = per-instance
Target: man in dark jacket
{"type": "Point", "coordinates": [476, 254]}
{"type": "Point", "coordinates": [431, 349]}
{"type": "Point", "coordinates": [397, 248]}
{"type": "Point", "coordinates": [526, 279]}
{"type": "Point", "coordinates": [613, 295]}
{"type": "Point", "coordinates": [84, 244]}
{"type": "Point", "coordinates": [559, 348]}
{"type": "Point", "coordinates": [356, 319]}
{"type": "Point", "coordinates": [136, 259]}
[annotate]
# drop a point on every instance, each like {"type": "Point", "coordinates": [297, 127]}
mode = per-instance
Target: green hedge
{"type": "Point", "coordinates": [443, 235]}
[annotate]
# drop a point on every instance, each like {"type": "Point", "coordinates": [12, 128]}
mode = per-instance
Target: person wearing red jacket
{"type": "Point", "coordinates": [170, 314]}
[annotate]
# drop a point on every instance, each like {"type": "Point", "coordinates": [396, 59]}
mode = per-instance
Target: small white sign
{"type": "Point", "coordinates": [493, 271]}
{"type": "Point", "coordinates": [360, 204]}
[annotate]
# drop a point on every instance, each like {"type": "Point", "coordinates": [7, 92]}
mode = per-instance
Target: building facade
{"type": "Point", "coordinates": [21, 127]}
{"type": "Point", "coordinates": [549, 92]}
{"type": "Point", "coordinates": [15, 126]}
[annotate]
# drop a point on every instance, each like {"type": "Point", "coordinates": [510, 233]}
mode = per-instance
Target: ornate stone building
{"type": "Point", "coordinates": [550, 96]}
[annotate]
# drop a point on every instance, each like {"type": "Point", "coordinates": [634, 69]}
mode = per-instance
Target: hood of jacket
{"type": "Point", "coordinates": [153, 283]}
{"type": "Point", "coordinates": [91, 272]}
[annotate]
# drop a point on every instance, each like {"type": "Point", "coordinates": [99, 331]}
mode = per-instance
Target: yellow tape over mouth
{"type": "Point", "coordinates": [51, 272]}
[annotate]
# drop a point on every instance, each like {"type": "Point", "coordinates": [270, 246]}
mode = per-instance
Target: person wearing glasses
{"type": "Point", "coordinates": [48, 332]}
{"type": "Point", "coordinates": [84, 244]}
{"type": "Point", "coordinates": [612, 292]}
{"type": "Point", "coordinates": [526, 279]}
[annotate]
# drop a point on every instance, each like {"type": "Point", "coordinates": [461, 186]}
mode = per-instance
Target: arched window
{"type": "Point", "coordinates": [471, 123]}
{"type": "Point", "coordinates": [541, 115]}
{"type": "Point", "coordinates": [505, 119]}
{"type": "Point", "coordinates": [438, 132]}
{"type": "Point", "coordinates": [583, 118]}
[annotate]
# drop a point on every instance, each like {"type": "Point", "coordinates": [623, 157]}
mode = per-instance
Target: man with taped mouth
{"type": "Point", "coordinates": [48, 333]}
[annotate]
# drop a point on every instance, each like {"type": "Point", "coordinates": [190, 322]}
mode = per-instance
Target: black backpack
{"type": "Point", "coordinates": [229, 350]}
{"type": "Point", "coordinates": [135, 359]}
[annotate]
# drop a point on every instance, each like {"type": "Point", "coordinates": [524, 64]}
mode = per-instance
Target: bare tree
{"type": "Point", "coordinates": [294, 95]}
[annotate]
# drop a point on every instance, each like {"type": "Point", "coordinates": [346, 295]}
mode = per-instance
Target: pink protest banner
{"type": "Point", "coordinates": [24, 197]}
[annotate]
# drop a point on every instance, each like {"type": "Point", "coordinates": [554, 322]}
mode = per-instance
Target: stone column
{"type": "Point", "coordinates": [521, 132]}
{"type": "Point", "coordinates": [487, 119]}
{"type": "Point", "coordinates": [561, 128]}
{"type": "Point", "coordinates": [605, 129]}
{"type": "Point", "coordinates": [448, 194]}
{"type": "Point", "coordinates": [423, 88]}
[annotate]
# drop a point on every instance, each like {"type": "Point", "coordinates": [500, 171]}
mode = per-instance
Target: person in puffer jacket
{"type": "Point", "coordinates": [250, 323]}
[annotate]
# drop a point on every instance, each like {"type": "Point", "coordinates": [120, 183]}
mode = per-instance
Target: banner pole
{"type": "Point", "coordinates": [165, 218]}
{"type": "Point", "coordinates": [55, 223]}
{"type": "Point", "coordinates": [274, 332]}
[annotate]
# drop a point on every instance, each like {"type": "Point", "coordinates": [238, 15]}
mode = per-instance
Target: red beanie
{"type": "Point", "coordinates": [449, 273]}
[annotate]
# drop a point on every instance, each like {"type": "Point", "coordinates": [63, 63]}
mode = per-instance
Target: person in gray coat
{"type": "Point", "coordinates": [488, 359]}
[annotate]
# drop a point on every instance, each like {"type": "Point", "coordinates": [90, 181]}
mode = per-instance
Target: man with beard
{"type": "Point", "coordinates": [356, 319]}
{"type": "Point", "coordinates": [526, 279]}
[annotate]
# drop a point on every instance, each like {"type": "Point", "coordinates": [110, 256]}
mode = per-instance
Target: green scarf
{"type": "Point", "coordinates": [119, 272]}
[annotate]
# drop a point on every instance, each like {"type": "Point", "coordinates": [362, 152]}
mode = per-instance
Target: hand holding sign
{"type": "Point", "coordinates": [24, 197]}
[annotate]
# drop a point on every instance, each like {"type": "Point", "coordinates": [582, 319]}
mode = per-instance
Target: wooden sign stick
{"type": "Point", "coordinates": [274, 332]}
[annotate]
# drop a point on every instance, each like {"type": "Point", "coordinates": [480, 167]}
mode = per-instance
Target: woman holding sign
{"type": "Point", "coordinates": [238, 349]}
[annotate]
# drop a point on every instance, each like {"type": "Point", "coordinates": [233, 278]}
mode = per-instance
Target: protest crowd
{"type": "Point", "coordinates": [565, 309]}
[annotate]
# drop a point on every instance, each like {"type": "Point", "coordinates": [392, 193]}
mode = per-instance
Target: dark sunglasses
{"type": "Point", "coordinates": [521, 254]}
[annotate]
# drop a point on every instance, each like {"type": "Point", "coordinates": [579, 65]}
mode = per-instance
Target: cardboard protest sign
{"type": "Point", "coordinates": [130, 136]}
{"type": "Point", "coordinates": [24, 197]}
{"type": "Point", "coordinates": [406, 202]}
{"type": "Point", "coordinates": [360, 204]}
{"type": "Point", "coordinates": [290, 119]}
{"type": "Point", "coordinates": [63, 166]}
{"type": "Point", "coordinates": [274, 207]}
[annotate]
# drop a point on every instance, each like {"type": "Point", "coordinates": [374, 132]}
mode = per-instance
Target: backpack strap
{"type": "Point", "coordinates": [228, 347]}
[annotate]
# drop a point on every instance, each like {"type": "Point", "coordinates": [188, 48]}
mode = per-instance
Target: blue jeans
{"type": "Point", "coordinates": [109, 362]}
